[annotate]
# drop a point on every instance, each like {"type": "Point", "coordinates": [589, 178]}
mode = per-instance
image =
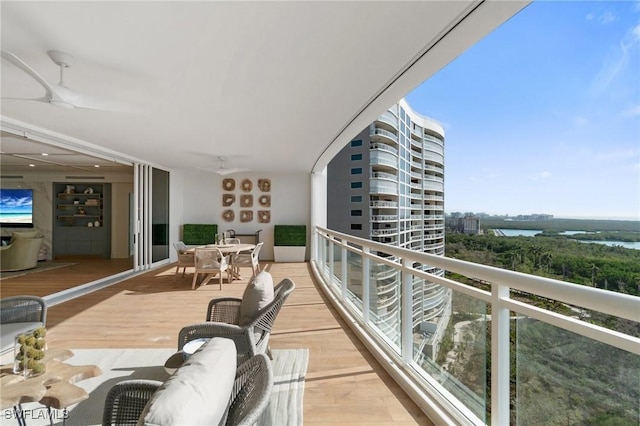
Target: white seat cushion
{"type": "Point", "coordinates": [257, 295]}
{"type": "Point", "coordinates": [198, 393]}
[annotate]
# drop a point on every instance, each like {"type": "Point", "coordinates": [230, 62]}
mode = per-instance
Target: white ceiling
{"type": "Point", "coordinates": [269, 85]}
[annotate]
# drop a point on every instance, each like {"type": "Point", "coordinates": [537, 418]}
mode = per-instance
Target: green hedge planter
{"type": "Point", "coordinates": [289, 243]}
{"type": "Point", "coordinates": [198, 234]}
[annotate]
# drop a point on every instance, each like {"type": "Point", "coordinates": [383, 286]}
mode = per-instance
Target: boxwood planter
{"type": "Point", "coordinates": [289, 243]}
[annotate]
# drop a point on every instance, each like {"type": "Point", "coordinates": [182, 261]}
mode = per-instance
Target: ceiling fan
{"type": "Point", "coordinates": [59, 94]}
{"type": "Point", "coordinates": [224, 171]}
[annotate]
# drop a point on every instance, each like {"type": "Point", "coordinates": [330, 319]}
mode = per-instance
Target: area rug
{"type": "Point", "coordinates": [47, 265]}
{"type": "Point", "coordinates": [285, 407]}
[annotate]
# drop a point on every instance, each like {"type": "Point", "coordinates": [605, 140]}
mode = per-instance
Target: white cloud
{"type": "Point", "coordinates": [619, 155]}
{"type": "Point", "coordinates": [632, 111]}
{"type": "Point", "coordinates": [617, 62]}
{"type": "Point", "coordinates": [606, 18]}
{"type": "Point", "coordinates": [580, 121]}
{"type": "Point", "coordinates": [542, 175]}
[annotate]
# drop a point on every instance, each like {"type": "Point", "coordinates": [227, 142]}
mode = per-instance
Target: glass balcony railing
{"type": "Point", "coordinates": [492, 346]}
{"type": "Point", "coordinates": [385, 133]}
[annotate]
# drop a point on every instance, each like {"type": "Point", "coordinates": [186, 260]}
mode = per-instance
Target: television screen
{"type": "Point", "coordinates": [16, 207]}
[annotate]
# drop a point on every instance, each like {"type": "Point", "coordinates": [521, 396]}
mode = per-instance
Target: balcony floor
{"type": "Point", "coordinates": [344, 385]}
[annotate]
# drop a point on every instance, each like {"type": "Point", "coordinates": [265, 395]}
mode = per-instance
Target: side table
{"type": "Point", "coordinates": [54, 388]}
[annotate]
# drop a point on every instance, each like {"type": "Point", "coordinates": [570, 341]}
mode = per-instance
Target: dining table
{"type": "Point", "coordinates": [229, 249]}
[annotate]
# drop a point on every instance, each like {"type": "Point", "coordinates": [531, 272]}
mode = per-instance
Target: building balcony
{"type": "Point", "coordinates": [384, 158]}
{"type": "Point", "coordinates": [383, 186]}
{"type": "Point", "coordinates": [383, 147]}
{"type": "Point", "coordinates": [382, 135]}
{"type": "Point", "coordinates": [384, 204]}
{"type": "Point", "coordinates": [389, 120]}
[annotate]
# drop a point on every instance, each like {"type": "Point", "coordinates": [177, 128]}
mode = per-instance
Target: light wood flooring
{"type": "Point", "coordinates": [344, 385]}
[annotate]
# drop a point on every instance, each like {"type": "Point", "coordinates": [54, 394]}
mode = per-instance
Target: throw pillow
{"type": "Point", "coordinates": [23, 234]}
{"type": "Point", "coordinates": [198, 393]}
{"type": "Point", "coordinates": [257, 295]}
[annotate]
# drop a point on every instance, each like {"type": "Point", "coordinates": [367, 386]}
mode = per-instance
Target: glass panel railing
{"type": "Point", "coordinates": [384, 301]}
{"type": "Point", "coordinates": [562, 378]}
{"type": "Point", "coordinates": [354, 279]}
{"type": "Point", "coordinates": [452, 348]}
{"type": "Point", "coordinates": [572, 356]}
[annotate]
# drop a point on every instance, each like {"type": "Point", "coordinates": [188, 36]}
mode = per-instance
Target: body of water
{"type": "Point", "coordinates": [532, 232]}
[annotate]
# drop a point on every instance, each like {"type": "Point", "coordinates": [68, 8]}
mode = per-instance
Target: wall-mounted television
{"type": "Point", "coordinates": [16, 208]}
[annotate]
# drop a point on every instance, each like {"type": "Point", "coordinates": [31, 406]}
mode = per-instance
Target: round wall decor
{"type": "Point", "coordinates": [265, 200]}
{"type": "Point", "coordinates": [246, 185]}
{"type": "Point", "coordinates": [228, 184]}
{"type": "Point", "coordinates": [228, 215]}
{"type": "Point", "coordinates": [264, 216]}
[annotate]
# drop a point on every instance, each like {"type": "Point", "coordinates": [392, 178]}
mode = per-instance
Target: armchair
{"type": "Point", "coordinates": [248, 321]}
{"type": "Point", "coordinates": [20, 254]}
{"type": "Point", "coordinates": [250, 259]}
{"type": "Point", "coordinates": [185, 258]}
{"type": "Point", "coordinates": [252, 389]}
{"type": "Point", "coordinates": [210, 261]}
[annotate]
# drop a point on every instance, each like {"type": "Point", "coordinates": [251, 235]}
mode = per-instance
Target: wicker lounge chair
{"type": "Point", "coordinates": [252, 388]}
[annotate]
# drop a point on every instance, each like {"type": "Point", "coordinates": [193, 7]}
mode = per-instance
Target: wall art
{"type": "Point", "coordinates": [247, 185]}
{"type": "Point", "coordinates": [264, 185]}
{"type": "Point", "coordinates": [246, 215]}
{"type": "Point", "coordinates": [264, 216]}
{"type": "Point", "coordinates": [246, 200]}
{"type": "Point", "coordinates": [228, 215]}
{"type": "Point", "coordinates": [228, 184]}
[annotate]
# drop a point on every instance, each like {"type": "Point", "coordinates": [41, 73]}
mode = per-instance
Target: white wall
{"type": "Point", "coordinates": [201, 195]}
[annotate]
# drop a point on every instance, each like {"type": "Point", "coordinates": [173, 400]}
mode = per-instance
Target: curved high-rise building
{"type": "Point", "coordinates": [387, 185]}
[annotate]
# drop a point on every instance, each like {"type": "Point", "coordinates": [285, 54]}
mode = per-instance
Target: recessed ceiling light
{"type": "Point", "coordinates": [32, 165]}
{"type": "Point", "coordinates": [96, 165]}
{"type": "Point", "coordinates": [45, 154]}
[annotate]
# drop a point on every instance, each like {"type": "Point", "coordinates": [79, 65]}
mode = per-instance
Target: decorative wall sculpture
{"type": "Point", "coordinates": [264, 185]}
{"type": "Point", "coordinates": [228, 215]}
{"type": "Point", "coordinates": [228, 199]}
{"type": "Point", "coordinates": [246, 200]}
{"type": "Point", "coordinates": [247, 185]}
{"type": "Point", "coordinates": [228, 184]}
{"type": "Point", "coordinates": [264, 216]}
{"type": "Point", "coordinates": [265, 200]}
{"type": "Point", "coordinates": [246, 215]}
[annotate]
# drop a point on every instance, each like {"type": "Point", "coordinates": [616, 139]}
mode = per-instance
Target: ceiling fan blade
{"type": "Point", "coordinates": [103, 104]}
{"type": "Point", "coordinates": [224, 172]}
{"type": "Point", "coordinates": [51, 91]}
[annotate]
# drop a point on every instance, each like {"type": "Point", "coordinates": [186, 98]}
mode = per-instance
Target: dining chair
{"type": "Point", "coordinates": [185, 258]}
{"type": "Point", "coordinates": [210, 261]}
{"type": "Point", "coordinates": [250, 259]}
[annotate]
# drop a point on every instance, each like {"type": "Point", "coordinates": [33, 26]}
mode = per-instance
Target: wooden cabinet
{"type": "Point", "coordinates": [81, 219]}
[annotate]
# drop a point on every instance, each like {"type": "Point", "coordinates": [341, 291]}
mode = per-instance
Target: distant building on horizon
{"type": "Point", "coordinates": [469, 224]}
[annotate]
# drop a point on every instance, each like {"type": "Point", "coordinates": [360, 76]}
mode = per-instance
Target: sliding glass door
{"type": "Point", "coordinates": [150, 216]}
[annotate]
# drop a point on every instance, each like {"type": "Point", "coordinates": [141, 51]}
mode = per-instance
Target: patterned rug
{"type": "Point", "coordinates": [285, 406]}
{"type": "Point", "coordinates": [47, 265]}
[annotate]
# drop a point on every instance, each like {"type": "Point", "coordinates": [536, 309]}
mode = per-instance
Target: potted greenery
{"type": "Point", "coordinates": [289, 243]}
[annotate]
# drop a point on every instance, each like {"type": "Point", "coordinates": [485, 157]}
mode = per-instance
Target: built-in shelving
{"type": "Point", "coordinates": [81, 220]}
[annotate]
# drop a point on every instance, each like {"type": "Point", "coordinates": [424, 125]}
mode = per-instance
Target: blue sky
{"type": "Point", "coordinates": [543, 114]}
